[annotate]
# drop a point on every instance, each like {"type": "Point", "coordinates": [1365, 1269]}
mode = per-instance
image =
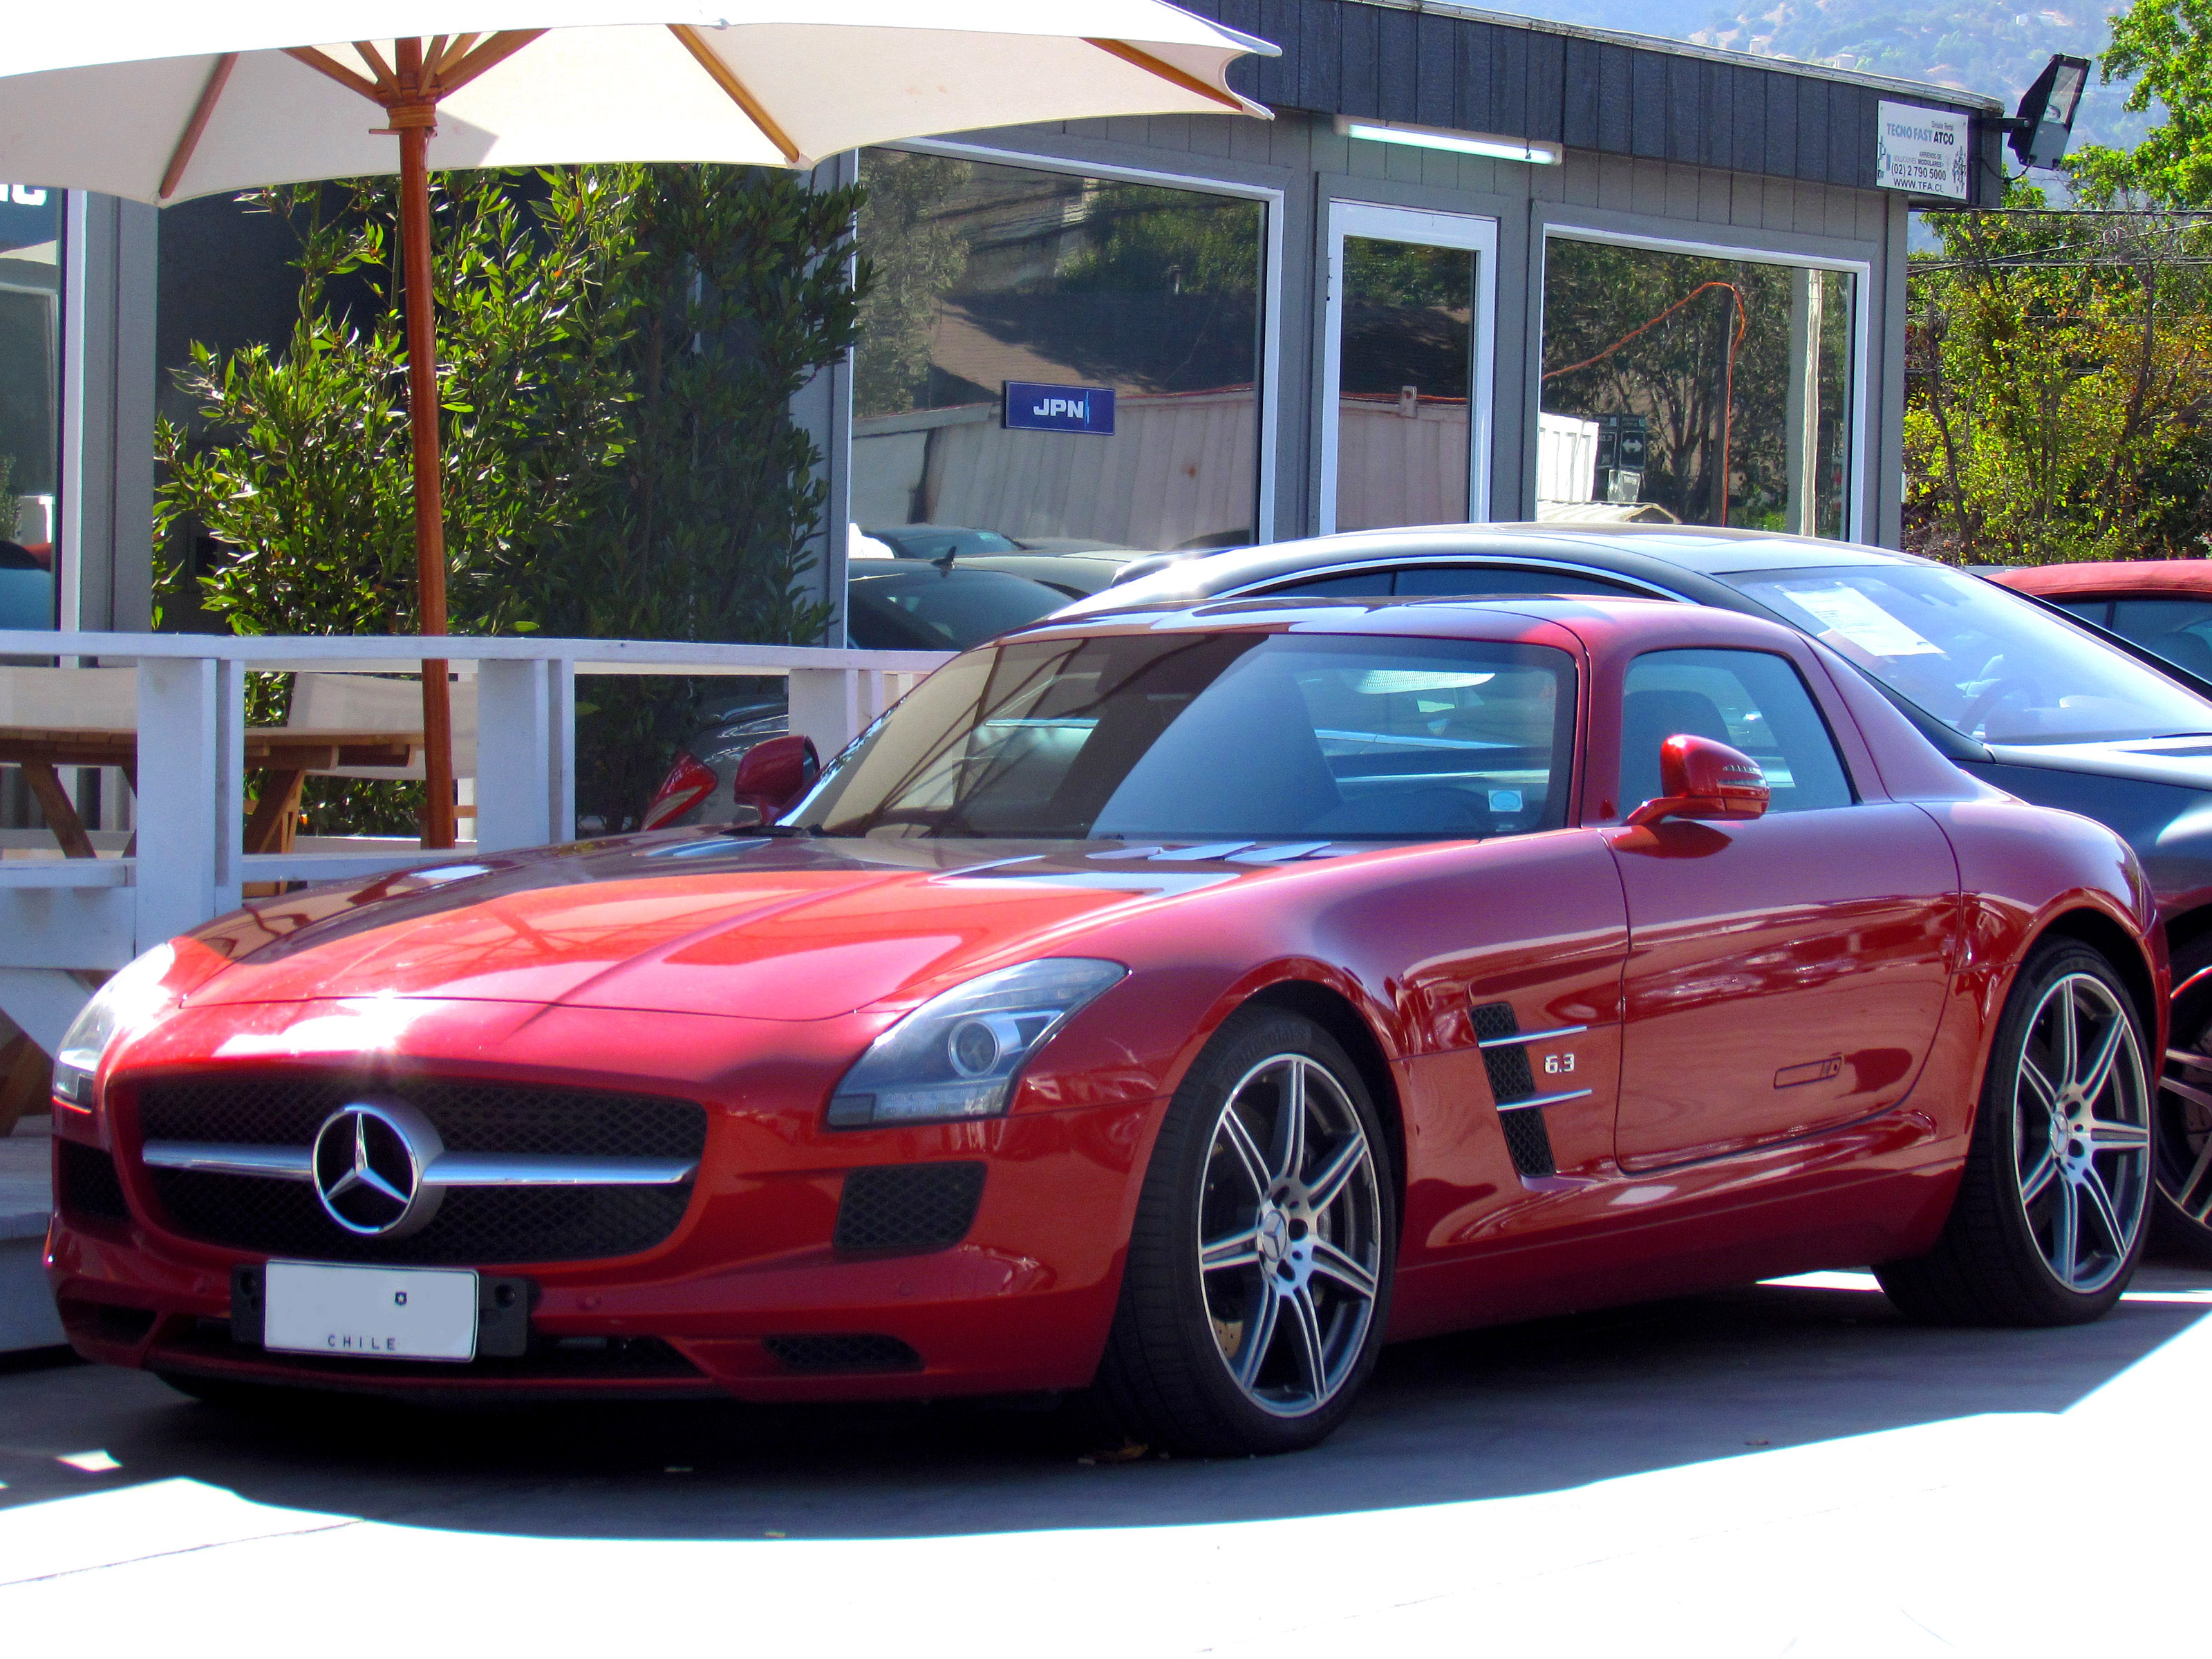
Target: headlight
{"type": "Point", "coordinates": [957, 1054]}
{"type": "Point", "coordinates": [135, 995]}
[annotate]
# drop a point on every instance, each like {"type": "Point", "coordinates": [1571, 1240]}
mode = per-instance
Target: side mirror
{"type": "Point", "coordinates": [773, 774]}
{"type": "Point", "coordinates": [1701, 779]}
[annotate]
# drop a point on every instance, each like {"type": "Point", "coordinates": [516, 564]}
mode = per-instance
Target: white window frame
{"type": "Point", "coordinates": [1424, 228]}
{"type": "Point", "coordinates": [1269, 390]}
{"type": "Point", "coordinates": [1855, 503]}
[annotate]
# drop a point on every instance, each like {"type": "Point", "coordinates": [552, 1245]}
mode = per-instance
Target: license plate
{"type": "Point", "coordinates": [370, 1313]}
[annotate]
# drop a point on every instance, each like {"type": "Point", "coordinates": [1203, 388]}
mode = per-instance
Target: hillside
{"type": "Point", "coordinates": [1983, 45]}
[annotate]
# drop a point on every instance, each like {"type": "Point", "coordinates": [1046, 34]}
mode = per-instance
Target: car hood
{"type": "Point", "coordinates": [695, 923]}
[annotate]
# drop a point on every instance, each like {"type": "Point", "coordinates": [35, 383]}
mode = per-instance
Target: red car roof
{"type": "Point", "coordinates": [2111, 580]}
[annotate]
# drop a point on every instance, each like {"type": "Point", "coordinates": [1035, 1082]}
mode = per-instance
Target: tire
{"type": "Point", "coordinates": [2053, 1204]}
{"type": "Point", "coordinates": [2182, 1207]}
{"type": "Point", "coordinates": [1298, 1243]}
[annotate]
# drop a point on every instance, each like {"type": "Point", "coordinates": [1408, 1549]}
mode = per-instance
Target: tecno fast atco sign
{"type": "Point", "coordinates": [1922, 150]}
{"type": "Point", "coordinates": [1031, 407]}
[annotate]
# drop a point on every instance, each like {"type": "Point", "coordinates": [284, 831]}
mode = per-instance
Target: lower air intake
{"type": "Point", "coordinates": [909, 1208]}
{"type": "Point", "coordinates": [844, 1352]}
{"type": "Point", "coordinates": [86, 1183]}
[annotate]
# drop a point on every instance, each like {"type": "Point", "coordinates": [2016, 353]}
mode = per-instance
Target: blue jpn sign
{"type": "Point", "coordinates": [1030, 407]}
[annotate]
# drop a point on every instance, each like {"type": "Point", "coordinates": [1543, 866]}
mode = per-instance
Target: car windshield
{"type": "Point", "coordinates": [1247, 735]}
{"type": "Point", "coordinates": [933, 610]}
{"type": "Point", "coordinates": [1982, 659]}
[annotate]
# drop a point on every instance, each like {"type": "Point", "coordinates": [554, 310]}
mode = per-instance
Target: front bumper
{"type": "Point", "coordinates": [758, 1292]}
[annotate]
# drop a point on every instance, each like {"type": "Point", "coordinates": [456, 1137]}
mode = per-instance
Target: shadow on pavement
{"type": "Point", "coordinates": [1492, 1413]}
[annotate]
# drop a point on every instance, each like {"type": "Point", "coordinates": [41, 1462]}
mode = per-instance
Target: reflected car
{"type": "Point", "coordinates": [1173, 1007]}
{"type": "Point", "coordinates": [2164, 606]}
{"type": "Point", "coordinates": [887, 608]}
{"type": "Point", "coordinates": [1077, 566]}
{"type": "Point", "coordinates": [2052, 709]}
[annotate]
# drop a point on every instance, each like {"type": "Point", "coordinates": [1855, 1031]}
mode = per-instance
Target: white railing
{"type": "Point", "coordinates": [189, 863]}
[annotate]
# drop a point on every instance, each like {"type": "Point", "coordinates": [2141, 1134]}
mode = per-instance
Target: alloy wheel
{"type": "Point", "coordinates": [1290, 1235]}
{"type": "Point", "coordinates": [2081, 1131]}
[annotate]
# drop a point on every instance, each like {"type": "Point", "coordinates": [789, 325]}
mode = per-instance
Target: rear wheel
{"type": "Point", "coordinates": [2054, 1199]}
{"type": "Point", "coordinates": [1258, 1279]}
{"type": "Point", "coordinates": [2183, 1136]}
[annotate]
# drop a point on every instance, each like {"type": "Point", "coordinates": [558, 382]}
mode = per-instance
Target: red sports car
{"type": "Point", "coordinates": [1175, 1005]}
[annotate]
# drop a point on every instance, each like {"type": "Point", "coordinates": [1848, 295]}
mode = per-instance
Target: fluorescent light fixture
{"type": "Point", "coordinates": [1496, 146]}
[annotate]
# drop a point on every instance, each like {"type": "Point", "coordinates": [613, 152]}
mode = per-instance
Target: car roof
{"type": "Point", "coordinates": [1649, 552]}
{"type": "Point", "coordinates": [2117, 580]}
{"type": "Point", "coordinates": [1592, 619]}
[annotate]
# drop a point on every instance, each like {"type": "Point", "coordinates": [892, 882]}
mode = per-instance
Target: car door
{"type": "Point", "coordinates": [1785, 975]}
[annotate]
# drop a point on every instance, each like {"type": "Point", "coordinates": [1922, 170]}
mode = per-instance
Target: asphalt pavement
{"type": "Point", "coordinates": [1785, 1469]}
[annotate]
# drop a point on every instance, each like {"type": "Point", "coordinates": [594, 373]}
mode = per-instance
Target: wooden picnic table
{"type": "Point", "coordinates": [283, 755]}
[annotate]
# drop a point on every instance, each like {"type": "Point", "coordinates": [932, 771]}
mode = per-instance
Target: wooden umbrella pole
{"type": "Point", "coordinates": [414, 123]}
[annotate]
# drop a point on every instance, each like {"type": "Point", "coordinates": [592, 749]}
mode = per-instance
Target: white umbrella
{"type": "Point", "coordinates": [160, 101]}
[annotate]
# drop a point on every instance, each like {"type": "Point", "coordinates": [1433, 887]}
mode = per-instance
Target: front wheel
{"type": "Point", "coordinates": [2053, 1201]}
{"type": "Point", "coordinates": [1258, 1279]}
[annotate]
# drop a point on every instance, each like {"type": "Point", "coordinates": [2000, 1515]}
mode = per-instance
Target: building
{"type": "Point", "coordinates": [1478, 267]}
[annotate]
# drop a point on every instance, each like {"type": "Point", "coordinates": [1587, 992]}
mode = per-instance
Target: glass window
{"type": "Point", "coordinates": [1352, 584]}
{"type": "Point", "coordinates": [30, 383]}
{"type": "Point", "coordinates": [1666, 373]}
{"type": "Point", "coordinates": [2179, 630]}
{"type": "Point", "coordinates": [1405, 383]}
{"type": "Point", "coordinates": [990, 276]}
{"type": "Point", "coordinates": [1750, 699]}
{"type": "Point", "coordinates": [1436, 580]}
{"type": "Point", "coordinates": [1246, 735]}
{"type": "Point", "coordinates": [1979, 658]}
{"type": "Point", "coordinates": [2099, 611]}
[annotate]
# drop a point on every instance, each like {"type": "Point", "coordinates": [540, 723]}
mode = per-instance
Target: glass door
{"type": "Point", "coordinates": [1407, 369]}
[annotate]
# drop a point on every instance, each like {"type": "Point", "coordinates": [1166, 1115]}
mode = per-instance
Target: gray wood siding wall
{"type": "Point", "coordinates": [1392, 63]}
{"type": "Point", "coordinates": [1303, 156]}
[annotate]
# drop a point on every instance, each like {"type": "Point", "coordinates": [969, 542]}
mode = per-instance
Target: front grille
{"type": "Point", "coordinates": [474, 1224]}
{"type": "Point", "coordinates": [275, 1110]}
{"type": "Point", "coordinates": [856, 1351]}
{"type": "Point", "coordinates": [85, 1183]}
{"type": "Point", "coordinates": [907, 1207]}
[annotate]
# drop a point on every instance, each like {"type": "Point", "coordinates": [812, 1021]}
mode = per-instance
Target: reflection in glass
{"type": "Point", "coordinates": [986, 274]}
{"type": "Point", "coordinates": [30, 348]}
{"type": "Point", "coordinates": [1246, 734]}
{"type": "Point", "coordinates": [1404, 381]}
{"type": "Point", "coordinates": [1985, 661]}
{"type": "Point", "coordinates": [1665, 373]}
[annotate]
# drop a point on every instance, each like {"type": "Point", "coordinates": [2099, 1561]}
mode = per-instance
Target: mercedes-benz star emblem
{"type": "Point", "coordinates": [370, 1158]}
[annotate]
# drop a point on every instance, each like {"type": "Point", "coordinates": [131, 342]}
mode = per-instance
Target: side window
{"type": "Point", "coordinates": [1354, 585]}
{"type": "Point", "coordinates": [1435, 580]}
{"type": "Point", "coordinates": [2179, 630]}
{"type": "Point", "coordinates": [2099, 611]}
{"type": "Point", "coordinates": [1750, 699]}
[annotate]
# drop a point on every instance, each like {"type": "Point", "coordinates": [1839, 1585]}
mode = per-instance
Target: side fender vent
{"type": "Point", "coordinates": [1510, 1079]}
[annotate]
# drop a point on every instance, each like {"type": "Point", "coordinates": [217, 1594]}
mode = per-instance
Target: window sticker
{"type": "Point", "coordinates": [1851, 613]}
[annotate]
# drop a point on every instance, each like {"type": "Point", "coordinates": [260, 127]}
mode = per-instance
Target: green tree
{"type": "Point", "coordinates": [2164, 49]}
{"type": "Point", "coordinates": [300, 461]}
{"type": "Point", "coordinates": [618, 347]}
{"type": "Point", "coordinates": [917, 255]}
{"type": "Point", "coordinates": [2059, 369]}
